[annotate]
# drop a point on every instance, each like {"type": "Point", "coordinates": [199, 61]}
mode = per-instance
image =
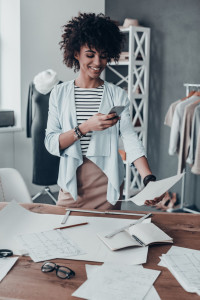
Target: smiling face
{"type": "Point", "coordinates": [91, 62]}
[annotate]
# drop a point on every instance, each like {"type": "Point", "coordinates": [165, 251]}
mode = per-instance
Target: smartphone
{"type": "Point", "coordinates": [116, 109]}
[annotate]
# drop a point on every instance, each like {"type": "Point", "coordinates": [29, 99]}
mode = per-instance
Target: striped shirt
{"type": "Point", "coordinates": [87, 101]}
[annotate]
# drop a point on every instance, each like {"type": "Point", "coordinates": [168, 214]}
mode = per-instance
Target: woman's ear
{"type": "Point", "coordinates": [76, 55]}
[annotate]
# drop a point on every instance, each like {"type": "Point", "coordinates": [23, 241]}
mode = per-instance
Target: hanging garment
{"type": "Point", "coordinates": [194, 151]}
{"type": "Point", "coordinates": [170, 113]}
{"type": "Point", "coordinates": [174, 142]}
{"type": "Point", "coordinates": [186, 134]}
{"type": "Point", "coordinates": [45, 165]}
{"type": "Point", "coordinates": [196, 167]}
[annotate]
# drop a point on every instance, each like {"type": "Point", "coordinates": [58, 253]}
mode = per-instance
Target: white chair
{"type": "Point", "coordinates": [13, 187]}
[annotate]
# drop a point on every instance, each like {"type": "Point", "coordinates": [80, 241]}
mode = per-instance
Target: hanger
{"type": "Point", "coordinates": [197, 93]}
{"type": "Point", "coordinates": [191, 93]}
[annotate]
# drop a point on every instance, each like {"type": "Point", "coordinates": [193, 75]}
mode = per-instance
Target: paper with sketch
{"type": "Point", "coordinates": [48, 245]}
{"type": "Point", "coordinates": [5, 265]}
{"type": "Point", "coordinates": [184, 264]}
{"type": "Point", "coordinates": [154, 189]}
{"type": "Point", "coordinates": [152, 293]}
{"type": "Point", "coordinates": [117, 281]}
{"type": "Point", "coordinates": [186, 269]}
{"type": "Point", "coordinates": [175, 250]}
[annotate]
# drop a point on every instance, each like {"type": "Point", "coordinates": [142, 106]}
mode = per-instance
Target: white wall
{"type": "Point", "coordinates": [10, 57]}
{"type": "Point", "coordinates": [41, 22]}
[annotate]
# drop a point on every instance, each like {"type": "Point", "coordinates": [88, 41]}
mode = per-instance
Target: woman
{"type": "Point", "coordinates": [80, 129]}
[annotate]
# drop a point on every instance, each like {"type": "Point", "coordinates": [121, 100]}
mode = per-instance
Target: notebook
{"type": "Point", "coordinates": [143, 234]}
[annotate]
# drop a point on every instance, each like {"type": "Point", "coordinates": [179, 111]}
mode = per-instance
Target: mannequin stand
{"type": "Point", "coordinates": [48, 192]}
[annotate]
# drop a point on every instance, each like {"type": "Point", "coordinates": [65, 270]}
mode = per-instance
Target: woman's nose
{"type": "Point", "coordinates": [97, 60]}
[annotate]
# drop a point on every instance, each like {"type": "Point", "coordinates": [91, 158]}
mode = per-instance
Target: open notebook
{"type": "Point", "coordinates": [142, 234]}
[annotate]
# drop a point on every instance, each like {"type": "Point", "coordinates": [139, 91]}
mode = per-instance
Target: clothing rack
{"type": "Point", "coordinates": [182, 204]}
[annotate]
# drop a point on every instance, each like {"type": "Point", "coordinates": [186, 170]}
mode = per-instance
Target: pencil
{"type": "Point", "coordinates": [69, 226]}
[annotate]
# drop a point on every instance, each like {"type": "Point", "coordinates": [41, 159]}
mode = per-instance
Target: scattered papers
{"type": "Point", "coordinates": [154, 189]}
{"type": "Point", "coordinates": [151, 294]}
{"type": "Point", "coordinates": [5, 265]}
{"type": "Point", "coordinates": [117, 281]}
{"type": "Point", "coordinates": [184, 264]}
{"type": "Point", "coordinates": [19, 221]}
{"type": "Point", "coordinates": [49, 245]}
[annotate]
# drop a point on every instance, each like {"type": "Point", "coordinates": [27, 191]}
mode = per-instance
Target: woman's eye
{"type": "Point", "coordinates": [90, 56]}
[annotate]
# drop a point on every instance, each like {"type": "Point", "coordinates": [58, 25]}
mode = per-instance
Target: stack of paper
{"type": "Point", "coordinates": [184, 264]}
{"type": "Point", "coordinates": [117, 281]}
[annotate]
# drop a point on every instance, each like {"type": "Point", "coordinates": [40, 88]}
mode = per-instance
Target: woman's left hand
{"type": "Point", "coordinates": [154, 201]}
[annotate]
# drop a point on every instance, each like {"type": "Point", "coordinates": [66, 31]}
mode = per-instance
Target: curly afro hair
{"type": "Point", "coordinates": [95, 31]}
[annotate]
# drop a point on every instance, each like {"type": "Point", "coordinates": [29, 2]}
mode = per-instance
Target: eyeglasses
{"type": "Point", "coordinates": [61, 271]}
{"type": "Point", "coordinates": [5, 253]}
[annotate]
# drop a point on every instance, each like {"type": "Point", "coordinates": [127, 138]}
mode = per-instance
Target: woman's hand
{"type": "Point", "coordinates": [154, 201]}
{"type": "Point", "coordinates": [100, 122]}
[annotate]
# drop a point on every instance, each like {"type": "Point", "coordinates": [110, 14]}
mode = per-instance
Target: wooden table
{"type": "Point", "coordinates": [26, 281]}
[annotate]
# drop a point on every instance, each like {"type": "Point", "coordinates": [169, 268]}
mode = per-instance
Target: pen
{"type": "Point", "coordinates": [69, 226]}
{"type": "Point", "coordinates": [125, 227]}
{"type": "Point", "coordinates": [66, 217]}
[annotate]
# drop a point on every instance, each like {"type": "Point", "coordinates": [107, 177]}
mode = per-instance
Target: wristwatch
{"type": "Point", "coordinates": [148, 178]}
{"type": "Point", "coordinates": [78, 133]}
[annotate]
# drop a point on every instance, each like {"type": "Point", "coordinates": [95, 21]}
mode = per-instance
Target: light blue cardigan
{"type": "Point", "coordinates": [103, 147]}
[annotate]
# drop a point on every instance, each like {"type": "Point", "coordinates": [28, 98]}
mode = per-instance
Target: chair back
{"type": "Point", "coordinates": [13, 187]}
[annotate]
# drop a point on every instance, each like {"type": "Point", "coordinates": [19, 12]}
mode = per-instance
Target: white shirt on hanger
{"type": "Point", "coordinates": [177, 124]}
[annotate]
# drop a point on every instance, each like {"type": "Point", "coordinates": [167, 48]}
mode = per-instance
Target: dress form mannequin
{"type": "Point", "coordinates": [45, 165]}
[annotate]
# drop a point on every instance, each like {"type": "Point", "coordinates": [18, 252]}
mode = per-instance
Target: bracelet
{"type": "Point", "coordinates": [148, 178]}
{"type": "Point", "coordinates": [78, 132]}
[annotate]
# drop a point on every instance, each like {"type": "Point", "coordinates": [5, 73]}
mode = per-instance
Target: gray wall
{"type": "Point", "coordinates": [174, 60]}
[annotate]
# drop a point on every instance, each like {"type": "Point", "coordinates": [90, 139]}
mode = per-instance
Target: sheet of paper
{"type": "Point", "coordinates": [151, 294]}
{"type": "Point", "coordinates": [18, 220]}
{"type": "Point", "coordinates": [117, 281]}
{"type": "Point", "coordinates": [175, 250]}
{"type": "Point", "coordinates": [186, 269]}
{"type": "Point", "coordinates": [154, 189]}
{"type": "Point", "coordinates": [5, 265]}
{"type": "Point", "coordinates": [48, 245]}
{"type": "Point", "coordinates": [184, 264]}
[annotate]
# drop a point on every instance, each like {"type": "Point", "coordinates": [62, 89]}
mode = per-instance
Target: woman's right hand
{"type": "Point", "coordinates": [99, 122]}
